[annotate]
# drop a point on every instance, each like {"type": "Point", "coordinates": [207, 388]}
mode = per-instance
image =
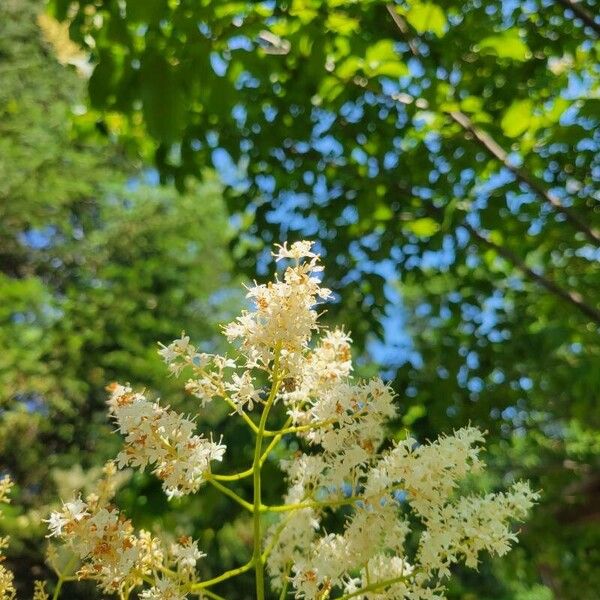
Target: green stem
{"type": "Point", "coordinates": [311, 504]}
{"type": "Point", "coordinates": [326, 503]}
{"type": "Point", "coordinates": [373, 587]}
{"type": "Point", "coordinates": [210, 594]}
{"type": "Point", "coordinates": [231, 494]}
{"type": "Point", "coordinates": [57, 589]}
{"type": "Point", "coordinates": [242, 414]}
{"type": "Point", "coordinates": [199, 587]}
{"type": "Point", "coordinates": [286, 582]}
{"type": "Point", "coordinates": [300, 428]}
{"type": "Point", "coordinates": [62, 577]}
{"type": "Point", "coordinates": [259, 566]}
{"type": "Point", "coordinates": [272, 444]}
{"type": "Point", "coordinates": [233, 476]}
{"type": "Point", "coordinates": [250, 471]}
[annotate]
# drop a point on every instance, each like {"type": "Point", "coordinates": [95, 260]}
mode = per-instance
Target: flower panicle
{"type": "Point", "coordinates": [163, 439]}
{"type": "Point", "coordinates": [345, 461]}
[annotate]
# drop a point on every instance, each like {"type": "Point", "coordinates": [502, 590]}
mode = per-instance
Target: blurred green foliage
{"type": "Point", "coordinates": [444, 153]}
{"type": "Point", "coordinates": [97, 266]}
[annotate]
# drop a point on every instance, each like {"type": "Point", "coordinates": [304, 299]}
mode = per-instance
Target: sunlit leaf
{"type": "Point", "coordinates": [427, 17]}
{"type": "Point", "coordinates": [382, 59]}
{"type": "Point", "coordinates": [383, 213]}
{"type": "Point", "coordinates": [423, 228]}
{"type": "Point", "coordinates": [506, 45]}
{"type": "Point", "coordinates": [342, 23]}
{"type": "Point", "coordinates": [517, 118]}
{"type": "Point", "coordinates": [349, 67]}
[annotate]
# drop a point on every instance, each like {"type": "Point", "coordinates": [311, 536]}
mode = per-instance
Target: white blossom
{"type": "Point", "coordinates": [163, 590]}
{"type": "Point", "coordinates": [161, 438]}
{"type": "Point", "coordinates": [242, 391]}
{"type": "Point", "coordinates": [341, 459]}
{"type": "Point", "coordinates": [185, 554]}
{"type": "Point", "coordinates": [297, 251]}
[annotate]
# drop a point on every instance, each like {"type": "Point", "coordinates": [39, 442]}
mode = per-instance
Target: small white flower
{"type": "Point", "coordinates": [244, 394]}
{"type": "Point", "coordinates": [56, 521]}
{"type": "Point", "coordinates": [163, 590]}
{"type": "Point", "coordinates": [297, 251]}
{"type": "Point", "coordinates": [186, 554]}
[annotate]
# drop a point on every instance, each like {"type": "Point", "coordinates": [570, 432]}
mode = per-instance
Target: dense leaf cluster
{"type": "Point", "coordinates": [96, 265]}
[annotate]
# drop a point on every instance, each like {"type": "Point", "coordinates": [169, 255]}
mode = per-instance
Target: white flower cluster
{"type": "Point", "coordinates": [39, 591]}
{"type": "Point", "coordinates": [284, 314]}
{"type": "Point", "coordinates": [397, 487]}
{"type": "Point", "coordinates": [102, 538]}
{"type": "Point", "coordinates": [407, 520]}
{"type": "Point", "coordinates": [113, 554]}
{"type": "Point", "coordinates": [160, 437]}
{"type": "Point", "coordinates": [164, 589]}
{"type": "Point", "coordinates": [209, 369]}
{"type": "Point", "coordinates": [185, 554]}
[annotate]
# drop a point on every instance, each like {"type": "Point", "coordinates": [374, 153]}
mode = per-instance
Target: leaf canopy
{"type": "Point", "coordinates": [446, 154]}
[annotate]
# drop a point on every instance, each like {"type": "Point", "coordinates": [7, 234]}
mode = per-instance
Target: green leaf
{"type": "Point", "coordinates": [305, 10]}
{"type": "Point", "coordinates": [391, 69]}
{"type": "Point", "coordinates": [162, 97]}
{"type": "Point", "coordinates": [506, 45]}
{"type": "Point", "coordinates": [330, 89]}
{"type": "Point", "coordinates": [423, 228]}
{"type": "Point", "coordinates": [341, 23]}
{"type": "Point", "coordinates": [414, 413]}
{"type": "Point", "coordinates": [146, 11]}
{"type": "Point", "coordinates": [383, 213]}
{"type": "Point", "coordinates": [472, 104]}
{"type": "Point", "coordinates": [381, 51]}
{"type": "Point", "coordinates": [517, 118]}
{"type": "Point", "coordinates": [349, 67]}
{"type": "Point", "coordinates": [427, 17]}
{"type": "Point", "coordinates": [382, 59]}
{"type": "Point", "coordinates": [102, 81]}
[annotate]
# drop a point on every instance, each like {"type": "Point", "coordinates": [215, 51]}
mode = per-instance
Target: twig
{"type": "Point", "coordinates": [582, 13]}
{"type": "Point", "coordinates": [495, 150]}
{"type": "Point", "coordinates": [403, 27]}
{"type": "Point", "coordinates": [225, 490]}
{"type": "Point", "coordinates": [572, 297]}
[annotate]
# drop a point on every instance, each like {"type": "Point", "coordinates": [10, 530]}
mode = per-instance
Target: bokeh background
{"type": "Point", "coordinates": [444, 155]}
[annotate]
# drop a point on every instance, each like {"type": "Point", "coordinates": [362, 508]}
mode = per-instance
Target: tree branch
{"type": "Point", "coordinates": [572, 298]}
{"type": "Point", "coordinates": [404, 30]}
{"type": "Point", "coordinates": [496, 151]}
{"type": "Point", "coordinates": [582, 13]}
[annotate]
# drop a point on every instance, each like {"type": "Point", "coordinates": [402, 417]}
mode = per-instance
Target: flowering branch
{"type": "Point", "coordinates": [340, 426]}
